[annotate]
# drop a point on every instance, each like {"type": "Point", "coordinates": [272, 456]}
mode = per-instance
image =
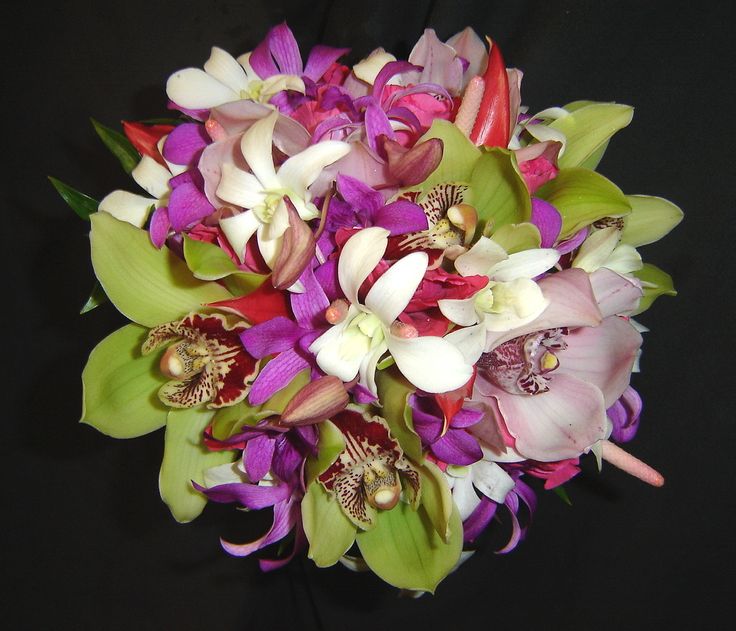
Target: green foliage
{"type": "Point", "coordinates": [458, 157]}
{"type": "Point", "coordinates": [329, 532]}
{"type": "Point", "coordinates": [655, 283]}
{"type": "Point", "coordinates": [80, 203]}
{"type": "Point", "coordinates": [118, 145]}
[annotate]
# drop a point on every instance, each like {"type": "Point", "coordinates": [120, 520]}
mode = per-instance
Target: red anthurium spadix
{"type": "Point", "coordinates": [492, 125]}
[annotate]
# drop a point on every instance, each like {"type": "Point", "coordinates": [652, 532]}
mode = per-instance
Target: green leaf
{"type": "Point", "coordinates": [80, 203]}
{"type": "Point", "coordinates": [436, 498]}
{"type": "Point", "coordinates": [329, 531]}
{"type": "Point", "coordinates": [331, 443]}
{"type": "Point", "coordinates": [147, 285]}
{"type": "Point", "coordinates": [120, 386]}
{"type": "Point", "coordinates": [651, 218]}
{"type": "Point", "coordinates": [393, 391]}
{"type": "Point", "coordinates": [119, 145]}
{"type": "Point", "coordinates": [210, 262]}
{"type": "Point", "coordinates": [458, 157]}
{"type": "Point", "coordinates": [516, 237]}
{"type": "Point", "coordinates": [655, 283]}
{"type": "Point", "coordinates": [561, 492]}
{"type": "Point", "coordinates": [186, 459]}
{"type": "Point", "coordinates": [281, 398]}
{"type": "Point", "coordinates": [583, 196]}
{"type": "Point", "coordinates": [405, 550]}
{"type": "Point", "coordinates": [588, 128]}
{"type": "Point", "coordinates": [497, 190]}
{"type": "Point", "coordinates": [96, 297]}
{"type": "Point", "coordinates": [231, 419]}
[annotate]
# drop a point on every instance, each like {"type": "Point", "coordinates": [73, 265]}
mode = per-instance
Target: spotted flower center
{"type": "Point", "coordinates": [521, 365]}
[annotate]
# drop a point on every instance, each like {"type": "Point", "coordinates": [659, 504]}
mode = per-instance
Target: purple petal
{"type": "Point", "coordinates": [406, 116]}
{"type": "Point", "coordinates": [420, 88]}
{"type": "Point", "coordinates": [358, 194]}
{"type": "Point", "coordinates": [300, 541]}
{"type": "Point", "coordinates": [391, 69]}
{"type": "Point", "coordinates": [332, 124]}
{"type": "Point", "coordinates": [159, 227]}
{"type": "Point", "coordinates": [401, 217]}
{"type": "Point", "coordinates": [340, 214]}
{"type": "Point", "coordinates": [362, 395]}
{"type": "Point", "coordinates": [261, 60]}
{"type": "Point", "coordinates": [199, 115]}
{"type": "Point", "coordinates": [573, 242]}
{"type": "Point", "coordinates": [326, 276]}
{"type": "Point", "coordinates": [251, 496]}
{"type": "Point", "coordinates": [287, 460]}
{"type": "Point", "coordinates": [185, 143]}
{"type": "Point", "coordinates": [465, 418]}
{"type": "Point", "coordinates": [277, 374]}
{"type": "Point", "coordinates": [517, 532]}
{"type": "Point", "coordinates": [321, 58]}
{"type": "Point", "coordinates": [549, 221]}
{"type": "Point", "coordinates": [426, 418]}
{"type": "Point", "coordinates": [285, 50]}
{"type": "Point", "coordinates": [457, 447]}
{"type": "Point", "coordinates": [309, 307]}
{"type": "Point", "coordinates": [188, 205]}
{"type": "Point", "coordinates": [257, 456]}
{"type": "Point", "coordinates": [624, 415]}
{"type": "Point", "coordinates": [285, 515]}
{"type": "Point", "coordinates": [377, 124]}
{"type": "Point", "coordinates": [273, 336]}
{"type": "Point", "coordinates": [479, 519]}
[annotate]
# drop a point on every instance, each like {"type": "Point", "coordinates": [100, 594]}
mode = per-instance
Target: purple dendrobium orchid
{"type": "Point", "coordinates": [624, 415]}
{"type": "Point", "coordinates": [453, 446]}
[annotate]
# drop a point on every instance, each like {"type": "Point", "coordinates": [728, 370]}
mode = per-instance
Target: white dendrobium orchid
{"type": "Point", "coordinates": [153, 178]}
{"type": "Point", "coordinates": [510, 300]}
{"type": "Point", "coordinates": [355, 345]}
{"type": "Point", "coordinates": [602, 249]}
{"type": "Point", "coordinates": [484, 475]}
{"type": "Point", "coordinates": [225, 79]}
{"type": "Point", "coordinates": [262, 191]}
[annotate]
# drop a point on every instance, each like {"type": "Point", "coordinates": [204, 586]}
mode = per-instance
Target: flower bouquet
{"type": "Point", "coordinates": [383, 301]}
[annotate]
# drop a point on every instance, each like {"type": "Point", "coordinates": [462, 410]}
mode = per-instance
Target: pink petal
{"type": "Point", "coordinates": [616, 294]}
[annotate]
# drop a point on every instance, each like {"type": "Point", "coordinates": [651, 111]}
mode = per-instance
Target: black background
{"type": "Point", "coordinates": [88, 543]}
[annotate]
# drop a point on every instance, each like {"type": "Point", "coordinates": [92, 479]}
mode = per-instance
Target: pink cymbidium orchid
{"type": "Point", "coordinates": [261, 191]}
{"type": "Point", "coordinates": [352, 347]}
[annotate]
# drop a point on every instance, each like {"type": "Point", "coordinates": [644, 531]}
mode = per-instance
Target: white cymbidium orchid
{"type": "Point", "coordinates": [355, 345]}
{"type": "Point", "coordinates": [510, 300]}
{"type": "Point", "coordinates": [262, 191]}
{"type": "Point", "coordinates": [223, 80]}
{"type": "Point", "coordinates": [153, 178]}
{"type": "Point", "coordinates": [484, 475]}
{"type": "Point", "coordinates": [602, 249]}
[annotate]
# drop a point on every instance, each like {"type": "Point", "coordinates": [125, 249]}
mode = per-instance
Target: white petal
{"type": "Point", "coordinates": [299, 171]}
{"type": "Point", "coordinates": [250, 74]}
{"type": "Point", "coordinates": [152, 177]}
{"type": "Point", "coordinates": [624, 259]}
{"type": "Point", "coordinates": [280, 82]}
{"type": "Point", "coordinates": [515, 304]}
{"type": "Point", "coordinates": [393, 290]}
{"type": "Point", "coordinates": [128, 207]}
{"type": "Point", "coordinates": [360, 255]}
{"type": "Point", "coordinates": [465, 497]}
{"type": "Point", "coordinates": [223, 474]}
{"type": "Point", "coordinates": [470, 341]}
{"type": "Point", "coordinates": [525, 264]}
{"type": "Point", "coordinates": [240, 187]}
{"type": "Point", "coordinates": [194, 89]}
{"type": "Point", "coordinates": [368, 68]}
{"type": "Point", "coordinates": [459, 311]}
{"type": "Point", "coordinates": [367, 369]}
{"type": "Point", "coordinates": [223, 67]}
{"type": "Point", "coordinates": [597, 248]}
{"type": "Point", "coordinates": [256, 146]}
{"type": "Point", "coordinates": [431, 363]}
{"type": "Point", "coordinates": [269, 248]}
{"type": "Point", "coordinates": [340, 352]}
{"type": "Point", "coordinates": [238, 229]}
{"type": "Point", "coordinates": [480, 258]}
{"type": "Point", "coordinates": [491, 480]}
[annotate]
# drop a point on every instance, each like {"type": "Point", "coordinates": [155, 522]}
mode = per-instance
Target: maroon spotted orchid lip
{"type": "Point", "coordinates": [207, 364]}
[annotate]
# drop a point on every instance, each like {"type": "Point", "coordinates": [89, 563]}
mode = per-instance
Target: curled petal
{"type": "Point", "coordinates": [359, 256]}
{"type": "Point", "coordinates": [285, 516]}
{"type": "Point", "coordinates": [297, 250]}
{"type": "Point", "coordinates": [194, 89]}
{"type": "Point", "coordinates": [315, 402]}
{"type": "Point", "coordinates": [393, 290]}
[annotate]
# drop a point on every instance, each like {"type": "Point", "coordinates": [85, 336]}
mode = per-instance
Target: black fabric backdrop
{"type": "Point", "coordinates": [88, 543]}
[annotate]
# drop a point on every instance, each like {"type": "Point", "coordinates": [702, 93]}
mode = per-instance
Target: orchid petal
{"type": "Point", "coordinates": [485, 254]}
{"type": "Point", "coordinates": [277, 374]}
{"type": "Point", "coordinates": [239, 187]}
{"type": "Point", "coordinates": [597, 248]}
{"type": "Point", "coordinates": [320, 59]}
{"type": "Point", "coordinates": [431, 363]}
{"type": "Point", "coordinates": [460, 312]}
{"type": "Point", "coordinates": [367, 69]}
{"type": "Point", "coordinates": [464, 496]}
{"type": "Point", "coordinates": [359, 257]}
{"type": "Point", "coordinates": [457, 447]}
{"type": "Point", "coordinates": [282, 45]}
{"type": "Point", "coordinates": [188, 205]}
{"type": "Point", "coordinates": [394, 289]}
{"type": "Point", "coordinates": [339, 356]}
{"type": "Point", "coordinates": [159, 226]}
{"type": "Point", "coordinates": [549, 221]}
{"type": "Point", "coordinates": [269, 247]}
{"type": "Point", "coordinates": [257, 456]}
{"type": "Point", "coordinates": [256, 146]}
{"type": "Point", "coordinates": [223, 67]}
{"type": "Point", "coordinates": [624, 259]}
{"type": "Point", "coordinates": [194, 89]}
{"type": "Point", "coordinates": [284, 517]}
{"type": "Point", "coordinates": [128, 207]}
{"type": "Point", "coordinates": [367, 370]}
{"type": "Point", "coordinates": [492, 480]}
{"type": "Point", "coordinates": [470, 341]}
{"type": "Point", "coordinates": [238, 229]}
{"type": "Point", "coordinates": [401, 217]}
{"type": "Point", "coordinates": [524, 264]}
{"type": "Point", "coordinates": [615, 294]}
{"type": "Point", "coordinates": [273, 336]}
{"type": "Point", "coordinates": [301, 170]}
{"type": "Point", "coordinates": [152, 177]}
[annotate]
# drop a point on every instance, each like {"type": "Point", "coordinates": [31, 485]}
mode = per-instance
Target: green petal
{"type": "Point", "coordinates": [186, 459]}
{"type": "Point", "coordinates": [436, 498]}
{"type": "Point", "coordinates": [405, 550]}
{"type": "Point", "coordinates": [210, 262]}
{"type": "Point", "coordinates": [393, 391]}
{"type": "Point", "coordinates": [331, 443]}
{"type": "Point", "coordinates": [147, 285]}
{"type": "Point", "coordinates": [329, 531]}
{"type": "Point", "coordinates": [119, 146]}
{"type": "Point", "coordinates": [497, 190]}
{"type": "Point", "coordinates": [517, 237]}
{"type": "Point", "coordinates": [588, 128]}
{"type": "Point", "coordinates": [96, 297]}
{"type": "Point", "coordinates": [80, 203]}
{"type": "Point", "coordinates": [651, 218]}
{"type": "Point", "coordinates": [655, 283]}
{"type": "Point", "coordinates": [583, 196]}
{"type": "Point", "coordinates": [459, 155]}
{"type": "Point", "coordinates": [229, 420]}
{"type": "Point", "coordinates": [120, 386]}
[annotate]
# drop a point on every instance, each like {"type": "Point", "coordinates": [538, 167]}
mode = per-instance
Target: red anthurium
{"type": "Point", "coordinates": [145, 138]}
{"type": "Point", "coordinates": [492, 125]}
{"type": "Point", "coordinates": [451, 402]}
{"type": "Point", "coordinates": [258, 306]}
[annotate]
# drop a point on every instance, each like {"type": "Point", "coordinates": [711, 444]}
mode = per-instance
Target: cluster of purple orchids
{"type": "Point", "coordinates": [378, 299]}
